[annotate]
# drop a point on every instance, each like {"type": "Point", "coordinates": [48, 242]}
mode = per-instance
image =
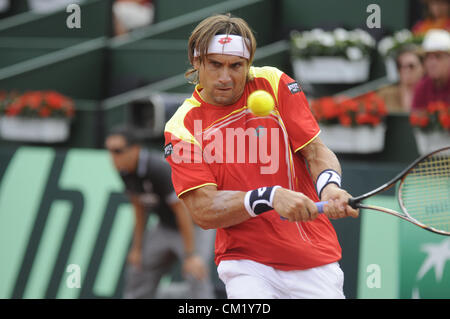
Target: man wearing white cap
{"type": "Point", "coordinates": [435, 86]}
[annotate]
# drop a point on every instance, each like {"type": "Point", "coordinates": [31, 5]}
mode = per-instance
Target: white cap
{"type": "Point", "coordinates": [436, 40]}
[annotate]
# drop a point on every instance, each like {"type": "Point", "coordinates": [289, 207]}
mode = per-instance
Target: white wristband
{"type": "Point", "coordinates": [326, 177]}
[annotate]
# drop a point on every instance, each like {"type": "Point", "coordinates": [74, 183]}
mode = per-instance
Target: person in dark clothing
{"type": "Point", "coordinates": [147, 180]}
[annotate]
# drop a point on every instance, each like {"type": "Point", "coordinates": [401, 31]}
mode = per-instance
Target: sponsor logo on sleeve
{"type": "Point", "coordinates": [294, 87]}
{"type": "Point", "coordinates": [168, 149]}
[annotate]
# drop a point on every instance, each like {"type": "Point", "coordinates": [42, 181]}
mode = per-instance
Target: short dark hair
{"type": "Point", "coordinates": [128, 133]}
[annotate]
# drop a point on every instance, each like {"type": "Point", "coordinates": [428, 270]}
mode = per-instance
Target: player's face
{"type": "Point", "coordinates": [222, 78]}
{"type": "Point", "coordinates": [123, 155]}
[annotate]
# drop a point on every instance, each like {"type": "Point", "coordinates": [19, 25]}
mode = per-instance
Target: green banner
{"type": "Point", "coordinates": [425, 264]}
{"type": "Point", "coordinates": [65, 225]}
{"type": "Point", "coordinates": [379, 251]}
{"type": "Point", "coordinates": [399, 259]}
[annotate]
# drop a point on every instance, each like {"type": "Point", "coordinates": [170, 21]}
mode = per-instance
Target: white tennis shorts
{"type": "Point", "coordinates": [247, 279]}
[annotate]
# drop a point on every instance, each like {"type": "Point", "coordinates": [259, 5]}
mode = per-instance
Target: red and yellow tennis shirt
{"type": "Point", "coordinates": [229, 147]}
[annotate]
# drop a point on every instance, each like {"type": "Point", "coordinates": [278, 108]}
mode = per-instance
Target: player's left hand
{"type": "Point", "coordinates": [337, 206]}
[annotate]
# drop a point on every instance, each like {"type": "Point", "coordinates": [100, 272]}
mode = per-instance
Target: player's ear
{"type": "Point", "coordinates": [249, 75]}
{"type": "Point", "coordinates": [196, 63]}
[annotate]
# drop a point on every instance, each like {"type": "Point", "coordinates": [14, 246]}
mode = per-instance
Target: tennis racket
{"type": "Point", "coordinates": [423, 193]}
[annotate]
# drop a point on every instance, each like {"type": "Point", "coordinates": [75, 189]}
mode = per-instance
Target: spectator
{"type": "Point", "coordinates": [398, 97]}
{"type": "Point", "coordinates": [437, 17]}
{"type": "Point", "coordinates": [132, 14]}
{"type": "Point", "coordinates": [435, 86]}
{"type": "Point", "coordinates": [147, 179]}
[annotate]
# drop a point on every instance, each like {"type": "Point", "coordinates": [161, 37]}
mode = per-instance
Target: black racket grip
{"type": "Point", "coordinates": [353, 203]}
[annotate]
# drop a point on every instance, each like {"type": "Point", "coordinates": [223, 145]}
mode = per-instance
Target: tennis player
{"type": "Point", "coordinates": [255, 179]}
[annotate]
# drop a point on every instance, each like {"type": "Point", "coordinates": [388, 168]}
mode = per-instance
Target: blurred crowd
{"type": "Point", "coordinates": [423, 70]}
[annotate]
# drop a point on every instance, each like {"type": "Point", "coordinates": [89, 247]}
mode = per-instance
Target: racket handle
{"type": "Point", "coordinates": [319, 208]}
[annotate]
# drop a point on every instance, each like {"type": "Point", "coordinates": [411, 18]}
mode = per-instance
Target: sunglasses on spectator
{"type": "Point", "coordinates": [436, 55]}
{"type": "Point", "coordinates": [118, 150]}
{"type": "Point", "coordinates": [410, 66]}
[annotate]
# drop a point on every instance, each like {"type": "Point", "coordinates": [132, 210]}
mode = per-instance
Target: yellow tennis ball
{"type": "Point", "coordinates": [260, 103]}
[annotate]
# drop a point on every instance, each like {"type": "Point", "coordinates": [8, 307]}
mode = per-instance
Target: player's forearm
{"type": "Point", "coordinates": [211, 209]}
{"type": "Point", "coordinates": [320, 158]}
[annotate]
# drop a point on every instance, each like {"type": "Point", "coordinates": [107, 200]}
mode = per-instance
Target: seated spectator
{"type": "Point", "coordinates": [398, 97]}
{"type": "Point", "coordinates": [435, 86]}
{"type": "Point", "coordinates": [437, 17]}
{"type": "Point", "coordinates": [132, 14]}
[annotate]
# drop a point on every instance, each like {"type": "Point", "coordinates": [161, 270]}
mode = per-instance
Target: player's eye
{"type": "Point", "coordinates": [216, 64]}
{"type": "Point", "coordinates": [236, 65]}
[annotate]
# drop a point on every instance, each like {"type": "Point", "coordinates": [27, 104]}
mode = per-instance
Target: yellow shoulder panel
{"type": "Point", "coordinates": [269, 73]}
{"type": "Point", "coordinates": [175, 125]}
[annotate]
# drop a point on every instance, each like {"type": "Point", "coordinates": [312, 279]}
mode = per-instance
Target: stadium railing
{"type": "Point", "coordinates": [94, 23]}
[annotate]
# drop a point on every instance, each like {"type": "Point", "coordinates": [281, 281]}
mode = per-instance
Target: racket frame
{"type": "Point", "coordinates": [355, 202]}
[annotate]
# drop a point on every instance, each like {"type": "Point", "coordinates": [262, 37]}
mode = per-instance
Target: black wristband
{"type": "Point", "coordinates": [259, 200]}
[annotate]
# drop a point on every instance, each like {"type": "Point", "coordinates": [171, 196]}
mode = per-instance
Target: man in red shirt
{"type": "Point", "coordinates": [435, 86]}
{"type": "Point", "coordinates": [239, 173]}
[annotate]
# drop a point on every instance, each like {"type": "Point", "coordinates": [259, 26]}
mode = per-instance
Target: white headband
{"type": "Point", "coordinates": [227, 44]}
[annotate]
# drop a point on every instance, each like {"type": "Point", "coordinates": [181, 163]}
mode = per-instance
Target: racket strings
{"type": "Point", "coordinates": [425, 193]}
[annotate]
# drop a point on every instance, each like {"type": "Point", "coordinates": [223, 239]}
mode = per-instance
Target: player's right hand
{"type": "Point", "coordinates": [337, 202]}
{"type": "Point", "coordinates": [294, 206]}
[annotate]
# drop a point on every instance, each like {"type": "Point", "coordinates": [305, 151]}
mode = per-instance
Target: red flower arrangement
{"type": "Point", "coordinates": [436, 116]}
{"type": "Point", "coordinates": [368, 109]}
{"type": "Point", "coordinates": [36, 104]}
